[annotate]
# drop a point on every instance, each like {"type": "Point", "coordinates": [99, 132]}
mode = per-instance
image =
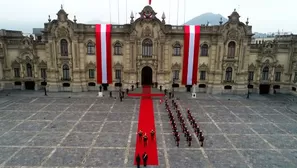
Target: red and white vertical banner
{"type": "Point", "coordinates": [103, 53]}
{"type": "Point", "coordinates": [191, 54]}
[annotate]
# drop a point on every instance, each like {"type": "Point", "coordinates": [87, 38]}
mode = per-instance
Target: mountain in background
{"type": "Point", "coordinates": [211, 18]}
{"type": "Point", "coordinates": [214, 19]}
{"type": "Point", "coordinates": [27, 26]}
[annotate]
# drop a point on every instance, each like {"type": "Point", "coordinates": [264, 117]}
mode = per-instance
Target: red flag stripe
{"type": "Point", "coordinates": [196, 54]}
{"type": "Point", "coordinates": [186, 54]}
{"type": "Point", "coordinates": [191, 54]}
{"type": "Point", "coordinates": [150, 2]}
{"type": "Point", "coordinates": [103, 53]}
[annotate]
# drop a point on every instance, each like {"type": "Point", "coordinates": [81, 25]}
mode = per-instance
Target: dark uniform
{"type": "Point", "coordinates": [201, 139]}
{"type": "Point", "coordinates": [138, 161]}
{"type": "Point", "coordinates": [140, 133]}
{"type": "Point", "coordinates": [177, 139]}
{"type": "Point", "coordinates": [145, 139]}
{"type": "Point", "coordinates": [189, 139]}
{"type": "Point", "coordinates": [144, 158]}
{"type": "Point", "coordinates": [152, 134]}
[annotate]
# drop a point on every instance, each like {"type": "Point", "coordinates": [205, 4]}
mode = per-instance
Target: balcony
{"type": "Point", "coordinates": [228, 81]}
{"type": "Point", "coordinates": [145, 57]}
{"type": "Point", "coordinates": [65, 79]}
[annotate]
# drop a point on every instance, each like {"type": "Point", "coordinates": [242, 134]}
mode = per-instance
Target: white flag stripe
{"type": "Point", "coordinates": [191, 55]}
{"type": "Point", "coordinates": [103, 53]}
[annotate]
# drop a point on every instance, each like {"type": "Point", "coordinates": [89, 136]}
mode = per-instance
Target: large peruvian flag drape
{"type": "Point", "coordinates": [191, 54]}
{"type": "Point", "coordinates": [103, 53]}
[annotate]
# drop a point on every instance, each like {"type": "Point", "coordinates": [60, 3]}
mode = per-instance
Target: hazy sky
{"type": "Point", "coordinates": [265, 15]}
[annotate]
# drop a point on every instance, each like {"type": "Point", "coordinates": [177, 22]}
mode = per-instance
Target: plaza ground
{"type": "Point", "coordinates": [81, 130]}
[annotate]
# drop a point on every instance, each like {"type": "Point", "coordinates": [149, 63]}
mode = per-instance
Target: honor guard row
{"type": "Point", "coordinates": [196, 127]}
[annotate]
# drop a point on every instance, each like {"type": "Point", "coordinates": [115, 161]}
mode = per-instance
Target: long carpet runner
{"type": "Point", "coordinates": [146, 123]}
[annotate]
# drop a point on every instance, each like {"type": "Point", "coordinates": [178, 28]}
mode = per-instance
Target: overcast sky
{"type": "Point", "coordinates": [265, 15]}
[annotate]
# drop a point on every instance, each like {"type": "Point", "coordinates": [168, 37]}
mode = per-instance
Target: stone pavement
{"type": "Point", "coordinates": [86, 131]}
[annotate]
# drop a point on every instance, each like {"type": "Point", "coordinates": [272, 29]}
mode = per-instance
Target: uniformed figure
{"type": "Point", "coordinates": [138, 160]}
{"type": "Point", "coordinates": [145, 138]}
{"type": "Point", "coordinates": [169, 95]}
{"type": "Point", "coordinates": [152, 134]}
{"type": "Point", "coordinates": [110, 94]}
{"type": "Point", "coordinates": [45, 94]}
{"type": "Point", "coordinates": [189, 139]}
{"type": "Point", "coordinates": [144, 158]}
{"type": "Point", "coordinates": [132, 87]}
{"type": "Point", "coordinates": [140, 133]}
{"type": "Point", "coordinates": [201, 139]}
{"type": "Point", "coordinates": [177, 139]}
{"type": "Point", "coordinates": [127, 91]}
{"type": "Point", "coordinates": [121, 97]}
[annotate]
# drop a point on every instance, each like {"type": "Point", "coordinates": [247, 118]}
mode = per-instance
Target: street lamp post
{"type": "Point", "coordinates": [249, 83]}
{"type": "Point", "coordinates": [44, 82]}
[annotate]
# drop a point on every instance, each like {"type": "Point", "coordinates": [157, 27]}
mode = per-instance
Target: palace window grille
{"type": "Point", "coordinates": [228, 77]}
{"type": "Point", "coordinates": [176, 74]}
{"type": "Point", "coordinates": [231, 49]}
{"type": "Point", "coordinates": [90, 48]}
{"type": "Point", "coordinates": [43, 72]}
{"type": "Point", "coordinates": [66, 74]}
{"type": "Point", "coordinates": [277, 76]}
{"type": "Point", "coordinates": [118, 74]}
{"type": "Point", "coordinates": [147, 48]}
{"type": "Point", "coordinates": [177, 50]}
{"type": "Point", "coordinates": [251, 75]}
{"type": "Point", "coordinates": [202, 75]}
{"type": "Point", "coordinates": [204, 50]}
{"type": "Point", "coordinates": [91, 73]}
{"type": "Point", "coordinates": [64, 47]}
{"type": "Point", "coordinates": [29, 70]}
{"type": "Point", "coordinates": [265, 73]}
{"type": "Point", "coordinates": [17, 72]}
{"type": "Point", "coordinates": [117, 49]}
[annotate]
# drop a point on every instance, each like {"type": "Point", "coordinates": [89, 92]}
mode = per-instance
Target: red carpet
{"type": "Point", "coordinates": [146, 123]}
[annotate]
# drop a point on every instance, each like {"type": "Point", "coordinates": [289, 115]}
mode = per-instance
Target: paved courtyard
{"type": "Point", "coordinates": [85, 131]}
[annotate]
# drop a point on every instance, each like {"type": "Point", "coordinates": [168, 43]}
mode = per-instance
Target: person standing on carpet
{"type": "Point", "coordinates": [138, 160]}
{"type": "Point", "coordinates": [144, 158]}
{"type": "Point", "coordinates": [145, 138]}
{"type": "Point", "coordinates": [152, 134]}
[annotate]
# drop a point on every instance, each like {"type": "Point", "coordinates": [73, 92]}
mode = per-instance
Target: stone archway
{"type": "Point", "coordinates": [146, 75]}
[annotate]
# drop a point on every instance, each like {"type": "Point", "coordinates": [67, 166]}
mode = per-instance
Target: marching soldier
{"type": "Point", "coordinates": [201, 139]}
{"type": "Point", "coordinates": [177, 139]}
{"type": "Point", "coordinates": [144, 158]}
{"type": "Point", "coordinates": [145, 138]}
{"type": "Point", "coordinates": [189, 139]}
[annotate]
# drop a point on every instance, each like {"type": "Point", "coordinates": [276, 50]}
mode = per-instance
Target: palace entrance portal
{"type": "Point", "coordinates": [146, 76]}
{"type": "Point", "coordinates": [29, 85]}
{"type": "Point", "coordinates": [264, 89]}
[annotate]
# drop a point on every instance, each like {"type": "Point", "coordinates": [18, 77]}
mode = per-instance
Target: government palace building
{"type": "Point", "coordinates": [146, 51]}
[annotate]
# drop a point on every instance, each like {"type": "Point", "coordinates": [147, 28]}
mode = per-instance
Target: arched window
{"type": "Point", "coordinates": [265, 73]}
{"type": "Point", "coordinates": [147, 48]}
{"type": "Point", "coordinates": [176, 49]}
{"type": "Point", "coordinates": [204, 50]}
{"type": "Point", "coordinates": [231, 49]}
{"type": "Point", "coordinates": [64, 47]}
{"type": "Point", "coordinates": [228, 76]}
{"type": "Point", "coordinates": [90, 48]}
{"type": "Point", "coordinates": [117, 48]}
{"type": "Point", "coordinates": [66, 75]}
{"type": "Point", "coordinates": [29, 70]}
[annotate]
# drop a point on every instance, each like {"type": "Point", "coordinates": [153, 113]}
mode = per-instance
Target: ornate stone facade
{"type": "Point", "coordinates": [65, 56]}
